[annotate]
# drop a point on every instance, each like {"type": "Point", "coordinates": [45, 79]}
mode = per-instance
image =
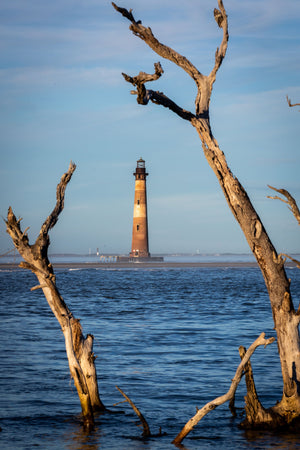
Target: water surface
{"type": "Point", "coordinates": [168, 337]}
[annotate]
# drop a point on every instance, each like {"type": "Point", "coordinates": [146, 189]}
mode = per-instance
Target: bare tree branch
{"type": "Point", "coordinates": [144, 95]}
{"type": "Point", "coordinates": [40, 248]}
{"type": "Point", "coordinates": [293, 207]}
{"type": "Point", "coordinates": [290, 104]}
{"type": "Point", "coordinates": [166, 52]}
{"type": "Point", "coordinates": [140, 80]}
{"type": "Point", "coordinates": [210, 406]}
{"type": "Point", "coordinates": [60, 199]}
{"type": "Point", "coordinates": [292, 259]}
{"type": "Point", "coordinates": [289, 201]}
{"type": "Point", "coordinates": [221, 19]}
{"type": "Point", "coordinates": [204, 83]}
{"type": "Point", "coordinates": [161, 99]}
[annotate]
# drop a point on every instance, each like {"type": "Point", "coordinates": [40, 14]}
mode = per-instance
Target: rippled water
{"type": "Point", "coordinates": [168, 337]}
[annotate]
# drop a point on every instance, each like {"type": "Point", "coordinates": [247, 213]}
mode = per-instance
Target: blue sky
{"type": "Point", "coordinates": [63, 98]}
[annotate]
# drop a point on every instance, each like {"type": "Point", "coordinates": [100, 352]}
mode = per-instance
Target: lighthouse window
{"type": "Point", "coordinates": [137, 227]}
{"type": "Point", "coordinates": [138, 202]}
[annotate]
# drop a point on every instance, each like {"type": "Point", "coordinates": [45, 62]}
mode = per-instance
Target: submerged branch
{"type": "Point", "coordinates": [146, 432]}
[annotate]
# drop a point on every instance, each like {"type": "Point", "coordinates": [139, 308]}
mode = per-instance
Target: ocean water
{"type": "Point", "coordinates": [168, 338]}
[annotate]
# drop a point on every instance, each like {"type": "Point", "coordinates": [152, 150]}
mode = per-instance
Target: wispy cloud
{"type": "Point", "coordinates": [258, 16]}
{"type": "Point", "coordinates": [48, 77]}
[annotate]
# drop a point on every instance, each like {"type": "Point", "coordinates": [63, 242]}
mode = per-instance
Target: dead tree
{"type": "Point", "coordinates": [79, 348]}
{"type": "Point", "coordinates": [286, 318]}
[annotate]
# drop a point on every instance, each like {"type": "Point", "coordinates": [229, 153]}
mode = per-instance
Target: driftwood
{"type": "Point", "coordinates": [79, 348]}
{"type": "Point", "coordinates": [286, 317]}
{"type": "Point", "coordinates": [210, 406]}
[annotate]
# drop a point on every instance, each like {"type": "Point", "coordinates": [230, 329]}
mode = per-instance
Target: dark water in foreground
{"type": "Point", "coordinates": [168, 337]}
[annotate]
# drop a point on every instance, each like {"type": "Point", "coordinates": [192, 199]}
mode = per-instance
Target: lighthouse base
{"type": "Point", "coordinates": [145, 258]}
{"type": "Point", "coordinates": [137, 259]}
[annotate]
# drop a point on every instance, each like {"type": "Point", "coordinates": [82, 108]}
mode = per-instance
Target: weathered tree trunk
{"type": "Point", "coordinates": [286, 319]}
{"type": "Point", "coordinates": [79, 349]}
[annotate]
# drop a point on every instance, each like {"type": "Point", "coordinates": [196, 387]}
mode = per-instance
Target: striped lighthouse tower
{"type": "Point", "coordinates": [140, 245]}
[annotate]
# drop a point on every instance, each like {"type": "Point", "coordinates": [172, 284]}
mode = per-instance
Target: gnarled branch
{"type": "Point", "coordinates": [60, 199]}
{"type": "Point", "coordinates": [210, 406]}
{"type": "Point", "coordinates": [290, 104]}
{"type": "Point", "coordinates": [140, 80]}
{"type": "Point", "coordinates": [292, 259]}
{"type": "Point", "coordinates": [293, 207]}
{"type": "Point", "coordinates": [221, 19]}
{"type": "Point", "coordinates": [161, 99]}
{"type": "Point", "coordinates": [144, 95]}
{"type": "Point", "coordinates": [289, 201]}
{"type": "Point", "coordinates": [37, 254]}
{"type": "Point", "coordinates": [204, 83]}
{"type": "Point", "coordinates": [145, 33]}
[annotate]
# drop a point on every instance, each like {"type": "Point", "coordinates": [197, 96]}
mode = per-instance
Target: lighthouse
{"type": "Point", "coordinates": [140, 244]}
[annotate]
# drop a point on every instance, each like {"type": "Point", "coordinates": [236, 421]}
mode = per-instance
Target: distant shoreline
{"type": "Point", "coordinates": [145, 265]}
